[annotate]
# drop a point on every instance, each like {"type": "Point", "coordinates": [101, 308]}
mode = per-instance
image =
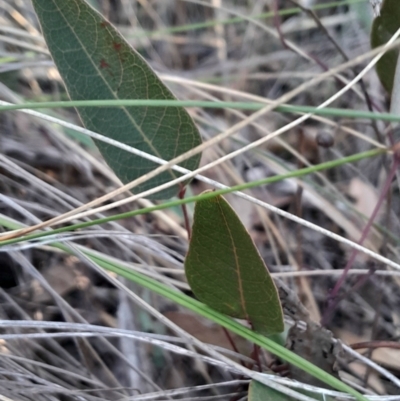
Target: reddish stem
{"type": "Point", "coordinates": [332, 299]}
{"type": "Point", "coordinates": [232, 343]}
{"type": "Point", "coordinates": [256, 356]}
{"type": "Point", "coordinates": [376, 344]}
{"type": "Point", "coordinates": [277, 23]}
{"type": "Point", "coordinates": [256, 351]}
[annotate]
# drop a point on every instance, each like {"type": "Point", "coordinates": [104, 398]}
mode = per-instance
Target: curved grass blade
{"type": "Point", "coordinates": [186, 301]}
{"type": "Point", "coordinates": [96, 63]}
{"type": "Point", "coordinates": [383, 28]}
{"type": "Point", "coordinates": [225, 270]}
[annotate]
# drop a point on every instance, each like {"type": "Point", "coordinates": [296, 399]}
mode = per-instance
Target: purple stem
{"type": "Point", "coordinates": [334, 293]}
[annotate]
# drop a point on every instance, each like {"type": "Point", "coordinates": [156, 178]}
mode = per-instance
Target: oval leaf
{"type": "Point", "coordinates": [225, 270]}
{"type": "Point", "coordinates": [96, 62]}
{"type": "Point", "coordinates": [383, 28]}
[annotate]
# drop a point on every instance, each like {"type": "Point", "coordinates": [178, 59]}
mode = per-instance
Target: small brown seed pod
{"type": "Point", "coordinates": [325, 139]}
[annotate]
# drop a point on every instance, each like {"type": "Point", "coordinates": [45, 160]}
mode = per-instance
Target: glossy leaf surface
{"type": "Point", "coordinates": [383, 28]}
{"type": "Point", "coordinates": [95, 63]}
{"type": "Point", "coordinates": [225, 270]}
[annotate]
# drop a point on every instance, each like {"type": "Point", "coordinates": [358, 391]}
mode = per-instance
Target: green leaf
{"type": "Point", "coordinates": [225, 270]}
{"type": "Point", "coordinates": [260, 392]}
{"type": "Point", "coordinates": [96, 63]}
{"type": "Point", "coordinates": [383, 28]}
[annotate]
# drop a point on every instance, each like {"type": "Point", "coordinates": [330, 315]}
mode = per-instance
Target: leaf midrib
{"type": "Point", "coordinates": [110, 89]}
{"type": "Point", "coordinates": [238, 272]}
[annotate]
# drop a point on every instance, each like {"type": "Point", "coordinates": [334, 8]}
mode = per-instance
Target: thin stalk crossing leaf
{"type": "Point", "coordinates": [225, 270]}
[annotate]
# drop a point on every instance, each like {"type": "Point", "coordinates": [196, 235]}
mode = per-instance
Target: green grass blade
{"type": "Point", "coordinates": [209, 195]}
{"type": "Point", "coordinates": [109, 264]}
{"type": "Point", "coordinates": [253, 106]}
{"type": "Point", "coordinates": [223, 320]}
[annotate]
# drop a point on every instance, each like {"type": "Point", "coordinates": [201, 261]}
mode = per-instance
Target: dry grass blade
{"type": "Point", "coordinates": [226, 134]}
{"type": "Point", "coordinates": [68, 330]}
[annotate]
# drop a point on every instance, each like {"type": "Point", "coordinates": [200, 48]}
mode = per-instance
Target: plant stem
{"type": "Point", "coordinates": [333, 296]}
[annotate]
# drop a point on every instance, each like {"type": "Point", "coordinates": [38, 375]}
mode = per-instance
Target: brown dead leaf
{"type": "Point", "coordinates": [364, 195]}
{"type": "Point", "coordinates": [61, 278]}
{"type": "Point", "coordinates": [387, 357]}
{"type": "Point", "coordinates": [365, 198]}
{"type": "Point", "coordinates": [357, 367]}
